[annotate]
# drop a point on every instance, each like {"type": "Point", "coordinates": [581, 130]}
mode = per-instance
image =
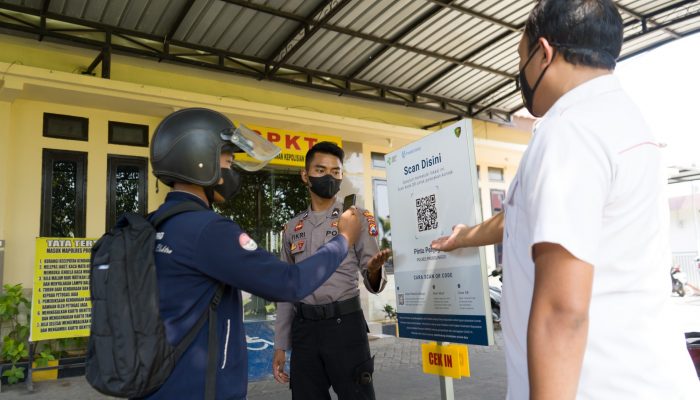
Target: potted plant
{"type": "Point", "coordinates": [14, 330]}
{"type": "Point", "coordinates": [45, 358]}
{"type": "Point", "coordinates": [390, 327]}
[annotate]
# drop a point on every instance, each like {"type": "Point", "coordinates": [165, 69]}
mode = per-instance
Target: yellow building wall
{"type": "Point", "coordinates": [5, 146]}
{"type": "Point", "coordinates": [22, 202]}
{"type": "Point", "coordinates": [499, 133]}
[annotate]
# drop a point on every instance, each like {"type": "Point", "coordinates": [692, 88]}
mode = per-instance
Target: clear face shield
{"type": "Point", "coordinates": [258, 150]}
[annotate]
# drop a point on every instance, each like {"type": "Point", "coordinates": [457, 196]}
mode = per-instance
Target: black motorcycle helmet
{"type": "Point", "coordinates": [187, 145]}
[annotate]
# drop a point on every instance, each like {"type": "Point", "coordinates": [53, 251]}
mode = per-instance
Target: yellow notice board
{"type": "Point", "coordinates": [294, 145]}
{"type": "Point", "coordinates": [449, 360]}
{"type": "Point", "coordinates": [61, 294]}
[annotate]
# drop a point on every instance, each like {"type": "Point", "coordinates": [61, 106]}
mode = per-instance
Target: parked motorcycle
{"type": "Point", "coordinates": [495, 294]}
{"type": "Point", "coordinates": [678, 280]}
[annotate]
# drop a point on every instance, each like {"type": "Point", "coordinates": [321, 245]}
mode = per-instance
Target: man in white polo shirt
{"type": "Point", "coordinates": [585, 285]}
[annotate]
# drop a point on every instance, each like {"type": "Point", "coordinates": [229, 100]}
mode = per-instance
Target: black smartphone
{"type": "Point", "coordinates": [349, 201]}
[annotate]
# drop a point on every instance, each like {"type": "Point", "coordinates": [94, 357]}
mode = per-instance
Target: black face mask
{"type": "Point", "coordinates": [231, 185]}
{"type": "Point", "coordinates": [325, 186]}
{"type": "Point", "coordinates": [528, 93]}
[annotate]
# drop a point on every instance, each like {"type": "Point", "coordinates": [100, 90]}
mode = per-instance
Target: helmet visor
{"type": "Point", "coordinates": [259, 150]}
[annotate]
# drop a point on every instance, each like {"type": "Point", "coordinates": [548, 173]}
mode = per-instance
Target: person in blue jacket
{"type": "Point", "coordinates": [196, 252]}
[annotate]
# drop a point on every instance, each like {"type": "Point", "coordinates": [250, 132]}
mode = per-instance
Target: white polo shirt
{"type": "Point", "coordinates": [591, 181]}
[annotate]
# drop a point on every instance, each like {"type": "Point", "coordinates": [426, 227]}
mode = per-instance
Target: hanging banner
{"type": "Point", "coordinates": [294, 145]}
{"type": "Point", "coordinates": [61, 306]}
{"type": "Point", "coordinates": [432, 186]}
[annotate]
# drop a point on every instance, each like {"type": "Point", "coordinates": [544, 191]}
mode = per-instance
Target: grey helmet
{"type": "Point", "coordinates": [186, 147]}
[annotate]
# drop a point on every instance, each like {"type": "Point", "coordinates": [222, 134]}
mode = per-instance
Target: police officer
{"type": "Point", "coordinates": [326, 331]}
{"type": "Point", "coordinates": [196, 252]}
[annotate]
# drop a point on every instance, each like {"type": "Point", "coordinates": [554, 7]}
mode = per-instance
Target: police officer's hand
{"type": "Point", "coordinates": [375, 263]}
{"type": "Point", "coordinates": [350, 225]}
{"type": "Point", "coordinates": [278, 361]}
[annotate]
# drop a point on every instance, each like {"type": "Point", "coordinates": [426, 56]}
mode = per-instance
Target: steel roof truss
{"type": "Point", "coordinates": [643, 20]}
{"type": "Point", "coordinates": [176, 24]}
{"type": "Point", "coordinates": [318, 18]}
{"type": "Point", "coordinates": [43, 23]}
{"type": "Point", "coordinates": [371, 38]}
{"type": "Point", "coordinates": [212, 58]}
{"type": "Point", "coordinates": [472, 13]}
{"type": "Point", "coordinates": [398, 37]}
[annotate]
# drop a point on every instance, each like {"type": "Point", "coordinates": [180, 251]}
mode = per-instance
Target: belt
{"type": "Point", "coordinates": [329, 310]}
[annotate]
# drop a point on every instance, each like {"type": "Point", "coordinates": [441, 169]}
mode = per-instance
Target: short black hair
{"type": "Point", "coordinates": [585, 32]}
{"type": "Point", "coordinates": [325, 148]}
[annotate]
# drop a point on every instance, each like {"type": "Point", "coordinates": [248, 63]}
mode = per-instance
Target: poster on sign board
{"type": "Point", "coordinates": [61, 306]}
{"type": "Point", "coordinates": [432, 186]}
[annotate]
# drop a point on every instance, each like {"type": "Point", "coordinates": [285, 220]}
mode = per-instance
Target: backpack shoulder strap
{"type": "Point", "coordinates": [192, 333]}
{"type": "Point", "coordinates": [177, 209]}
{"type": "Point", "coordinates": [213, 342]}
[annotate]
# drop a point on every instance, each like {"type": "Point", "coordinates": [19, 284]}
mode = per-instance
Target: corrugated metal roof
{"type": "Point", "coordinates": [454, 56]}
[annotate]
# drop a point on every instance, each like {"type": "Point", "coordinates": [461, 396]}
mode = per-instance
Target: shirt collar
{"type": "Point", "coordinates": [327, 212]}
{"type": "Point", "coordinates": [180, 196]}
{"type": "Point", "coordinates": [585, 91]}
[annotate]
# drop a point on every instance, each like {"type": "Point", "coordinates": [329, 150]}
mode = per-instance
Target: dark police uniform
{"type": "Point", "coordinates": [195, 252]}
{"type": "Point", "coordinates": [326, 331]}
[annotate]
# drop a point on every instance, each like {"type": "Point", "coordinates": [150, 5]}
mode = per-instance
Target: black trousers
{"type": "Point", "coordinates": [331, 352]}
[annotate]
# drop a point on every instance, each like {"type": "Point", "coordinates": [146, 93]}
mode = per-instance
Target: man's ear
{"type": "Point", "coordinates": [547, 51]}
{"type": "Point", "coordinates": [304, 177]}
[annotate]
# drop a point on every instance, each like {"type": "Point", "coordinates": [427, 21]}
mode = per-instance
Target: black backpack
{"type": "Point", "coordinates": [128, 354]}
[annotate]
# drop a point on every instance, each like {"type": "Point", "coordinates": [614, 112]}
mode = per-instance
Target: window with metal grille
{"type": "Point", "coordinates": [127, 186]}
{"type": "Point", "coordinates": [63, 190]}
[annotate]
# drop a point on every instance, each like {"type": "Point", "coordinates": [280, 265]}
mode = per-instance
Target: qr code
{"type": "Point", "coordinates": [426, 212]}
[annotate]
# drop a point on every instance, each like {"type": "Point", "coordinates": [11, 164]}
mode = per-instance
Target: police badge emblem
{"type": "Point", "coordinates": [247, 243]}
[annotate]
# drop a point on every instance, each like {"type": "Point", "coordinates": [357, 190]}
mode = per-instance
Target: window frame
{"type": "Point", "coordinates": [49, 156]}
{"type": "Point", "coordinates": [376, 164]}
{"type": "Point", "coordinates": [113, 162]}
{"type": "Point", "coordinates": [84, 122]}
{"type": "Point", "coordinates": [110, 133]}
{"type": "Point", "coordinates": [500, 169]}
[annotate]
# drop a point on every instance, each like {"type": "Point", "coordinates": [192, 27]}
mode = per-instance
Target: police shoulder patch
{"type": "Point", "coordinates": [247, 243]}
{"type": "Point", "coordinates": [370, 217]}
{"type": "Point", "coordinates": [372, 229]}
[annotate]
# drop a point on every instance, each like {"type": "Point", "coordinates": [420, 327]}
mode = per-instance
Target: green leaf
{"type": "Point", "coordinates": [23, 332]}
{"type": "Point", "coordinates": [14, 374]}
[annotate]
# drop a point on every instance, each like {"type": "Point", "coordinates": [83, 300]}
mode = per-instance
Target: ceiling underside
{"type": "Point", "coordinates": [456, 57]}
